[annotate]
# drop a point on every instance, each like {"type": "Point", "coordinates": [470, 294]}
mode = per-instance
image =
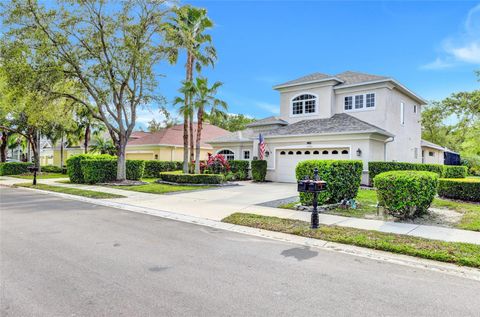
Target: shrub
{"type": "Point", "coordinates": [375, 168]}
{"type": "Point", "coordinates": [259, 170]}
{"type": "Point", "coordinates": [14, 168]}
{"type": "Point", "coordinates": [240, 169]}
{"type": "Point", "coordinates": [473, 165]}
{"type": "Point", "coordinates": [98, 170]}
{"type": "Point", "coordinates": [52, 169]}
{"type": "Point", "coordinates": [180, 178]}
{"type": "Point", "coordinates": [406, 194]}
{"type": "Point", "coordinates": [74, 168]}
{"type": "Point", "coordinates": [453, 171]}
{"type": "Point", "coordinates": [342, 176]}
{"type": "Point", "coordinates": [154, 168]}
{"type": "Point", "coordinates": [462, 188]}
{"type": "Point", "coordinates": [216, 164]}
{"type": "Point", "coordinates": [135, 169]}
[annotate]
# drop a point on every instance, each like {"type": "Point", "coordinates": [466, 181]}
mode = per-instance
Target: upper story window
{"type": "Point", "coordinates": [304, 104]}
{"type": "Point", "coordinates": [359, 102]}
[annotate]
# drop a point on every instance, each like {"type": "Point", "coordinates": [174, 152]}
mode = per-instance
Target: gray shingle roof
{"type": "Point", "coordinates": [268, 121]}
{"type": "Point", "coordinates": [345, 78]}
{"type": "Point", "coordinates": [339, 123]}
{"type": "Point", "coordinates": [307, 78]}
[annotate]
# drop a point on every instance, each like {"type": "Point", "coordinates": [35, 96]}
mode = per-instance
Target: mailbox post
{"type": "Point", "coordinates": [33, 169]}
{"type": "Point", "coordinates": [313, 186]}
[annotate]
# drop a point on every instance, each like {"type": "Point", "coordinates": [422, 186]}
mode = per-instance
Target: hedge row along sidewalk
{"type": "Point", "coordinates": [71, 191]}
{"type": "Point", "coordinates": [452, 252]}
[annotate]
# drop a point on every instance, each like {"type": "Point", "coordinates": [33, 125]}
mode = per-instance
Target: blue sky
{"type": "Point", "coordinates": [431, 47]}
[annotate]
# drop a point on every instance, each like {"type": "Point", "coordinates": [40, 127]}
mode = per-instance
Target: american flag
{"type": "Point", "coordinates": [261, 147]}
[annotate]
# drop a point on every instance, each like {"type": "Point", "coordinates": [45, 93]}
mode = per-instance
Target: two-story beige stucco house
{"type": "Point", "coordinates": [350, 115]}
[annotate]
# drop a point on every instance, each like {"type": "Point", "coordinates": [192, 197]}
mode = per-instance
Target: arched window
{"type": "Point", "coordinates": [229, 155]}
{"type": "Point", "coordinates": [345, 152]}
{"type": "Point", "coordinates": [316, 152]}
{"type": "Point", "coordinates": [290, 152]}
{"type": "Point", "coordinates": [334, 152]}
{"type": "Point", "coordinates": [325, 152]}
{"type": "Point", "coordinates": [307, 152]}
{"type": "Point", "coordinates": [299, 152]}
{"type": "Point", "coordinates": [304, 104]}
{"type": "Point", "coordinates": [282, 153]}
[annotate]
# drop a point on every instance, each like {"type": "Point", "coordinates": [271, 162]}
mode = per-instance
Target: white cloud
{"type": "Point", "coordinates": [272, 108]}
{"type": "Point", "coordinates": [463, 47]}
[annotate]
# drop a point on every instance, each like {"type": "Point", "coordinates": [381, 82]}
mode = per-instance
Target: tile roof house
{"type": "Point", "coordinates": [349, 115]}
{"type": "Point", "coordinates": [167, 144]}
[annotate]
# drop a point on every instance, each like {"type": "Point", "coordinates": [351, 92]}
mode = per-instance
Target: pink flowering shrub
{"type": "Point", "coordinates": [216, 164]}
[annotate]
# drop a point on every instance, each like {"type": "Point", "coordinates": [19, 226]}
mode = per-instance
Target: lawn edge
{"type": "Point", "coordinates": [19, 185]}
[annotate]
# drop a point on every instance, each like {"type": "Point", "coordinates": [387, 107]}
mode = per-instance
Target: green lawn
{"type": "Point", "coordinates": [41, 176]}
{"type": "Point", "coordinates": [452, 252]}
{"type": "Point", "coordinates": [155, 188]}
{"type": "Point", "coordinates": [71, 191]}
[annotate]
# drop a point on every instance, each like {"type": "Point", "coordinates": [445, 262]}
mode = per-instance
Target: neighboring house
{"type": "Point", "coordinates": [167, 144]}
{"type": "Point", "coordinates": [350, 115]}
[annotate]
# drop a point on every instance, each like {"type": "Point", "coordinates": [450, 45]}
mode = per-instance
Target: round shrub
{"type": "Point", "coordinates": [406, 194]}
{"type": "Point", "coordinates": [453, 171]}
{"type": "Point", "coordinates": [98, 170]}
{"type": "Point", "coordinates": [154, 168]}
{"type": "Point", "coordinates": [462, 188]}
{"type": "Point", "coordinates": [259, 170]}
{"type": "Point", "coordinates": [375, 168]}
{"type": "Point", "coordinates": [135, 169]}
{"type": "Point", "coordinates": [343, 179]}
{"type": "Point", "coordinates": [74, 167]}
{"type": "Point", "coordinates": [180, 178]}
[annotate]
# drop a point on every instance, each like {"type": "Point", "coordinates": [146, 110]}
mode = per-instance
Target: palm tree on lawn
{"type": "Point", "coordinates": [186, 31]}
{"type": "Point", "coordinates": [205, 97]}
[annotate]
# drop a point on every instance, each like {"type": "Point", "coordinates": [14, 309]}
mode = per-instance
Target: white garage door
{"type": "Point", "coordinates": [288, 159]}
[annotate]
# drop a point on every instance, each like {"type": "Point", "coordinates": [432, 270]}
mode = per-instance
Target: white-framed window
{"type": "Point", "coordinates": [228, 154]}
{"type": "Point", "coordinates": [348, 103]}
{"type": "Point", "coordinates": [402, 113]}
{"type": "Point", "coordinates": [246, 154]}
{"type": "Point", "coordinates": [359, 102]}
{"type": "Point", "coordinates": [304, 104]}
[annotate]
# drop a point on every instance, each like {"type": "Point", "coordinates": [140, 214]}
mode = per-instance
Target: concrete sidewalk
{"type": "Point", "coordinates": [218, 203]}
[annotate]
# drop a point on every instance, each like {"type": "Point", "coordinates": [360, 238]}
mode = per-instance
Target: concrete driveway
{"type": "Point", "coordinates": [216, 203]}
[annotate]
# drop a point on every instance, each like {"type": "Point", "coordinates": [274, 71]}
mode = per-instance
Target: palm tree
{"type": "Point", "coordinates": [186, 30]}
{"type": "Point", "coordinates": [205, 97]}
{"type": "Point", "coordinates": [103, 146]}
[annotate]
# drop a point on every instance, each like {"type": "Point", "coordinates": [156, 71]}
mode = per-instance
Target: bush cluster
{"type": "Point", "coordinates": [259, 170]}
{"type": "Point", "coordinates": [74, 167]}
{"type": "Point", "coordinates": [406, 194]}
{"type": "Point", "coordinates": [53, 169]}
{"type": "Point", "coordinates": [135, 169]}
{"type": "Point", "coordinates": [342, 176]}
{"type": "Point", "coordinates": [180, 178]}
{"type": "Point", "coordinates": [154, 168]}
{"type": "Point", "coordinates": [239, 168]}
{"type": "Point", "coordinates": [98, 170]}
{"type": "Point", "coordinates": [454, 171]}
{"type": "Point", "coordinates": [14, 168]}
{"type": "Point", "coordinates": [473, 164]}
{"type": "Point", "coordinates": [462, 188]}
{"type": "Point", "coordinates": [375, 168]}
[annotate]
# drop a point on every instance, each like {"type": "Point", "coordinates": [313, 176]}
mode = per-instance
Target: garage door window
{"type": "Point", "coordinates": [290, 152]}
{"type": "Point", "coordinates": [282, 153]}
{"type": "Point", "coordinates": [344, 152]}
{"type": "Point", "coordinates": [325, 152]}
{"type": "Point", "coordinates": [299, 152]}
{"type": "Point", "coordinates": [316, 152]}
{"type": "Point", "coordinates": [334, 152]}
{"type": "Point", "coordinates": [307, 152]}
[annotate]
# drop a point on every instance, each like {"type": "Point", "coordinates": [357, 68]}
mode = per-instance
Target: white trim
{"type": "Point", "coordinates": [223, 149]}
{"type": "Point", "coordinates": [308, 82]}
{"type": "Point", "coordinates": [303, 114]}
{"type": "Point", "coordinates": [364, 103]}
{"type": "Point", "coordinates": [249, 155]}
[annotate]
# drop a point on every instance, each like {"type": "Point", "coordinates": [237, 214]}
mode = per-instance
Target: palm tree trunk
{"type": "Point", "coordinates": [185, 143]}
{"type": "Point", "coordinates": [189, 77]}
{"type": "Point", "coordinates": [198, 139]}
{"type": "Point", "coordinates": [192, 136]}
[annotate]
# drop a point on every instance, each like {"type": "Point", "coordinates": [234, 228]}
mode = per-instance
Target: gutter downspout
{"type": "Point", "coordinates": [390, 139]}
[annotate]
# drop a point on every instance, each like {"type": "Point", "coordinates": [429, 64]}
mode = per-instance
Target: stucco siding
{"type": "Point", "coordinates": [436, 158]}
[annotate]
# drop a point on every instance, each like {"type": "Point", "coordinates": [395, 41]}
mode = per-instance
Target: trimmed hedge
{"type": "Point", "coordinates": [154, 168]}
{"type": "Point", "coordinates": [52, 169]}
{"type": "Point", "coordinates": [342, 176]}
{"type": "Point", "coordinates": [259, 170]}
{"type": "Point", "coordinates": [14, 168]}
{"type": "Point", "coordinates": [98, 170]}
{"type": "Point", "coordinates": [461, 188]}
{"type": "Point", "coordinates": [406, 194]}
{"type": "Point", "coordinates": [375, 168]}
{"type": "Point", "coordinates": [180, 178]}
{"type": "Point", "coordinates": [454, 171]}
{"type": "Point", "coordinates": [240, 169]}
{"type": "Point", "coordinates": [74, 168]}
{"type": "Point", "coordinates": [135, 169]}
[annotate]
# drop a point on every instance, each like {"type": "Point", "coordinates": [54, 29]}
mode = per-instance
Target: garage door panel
{"type": "Point", "coordinates": [287, 160]}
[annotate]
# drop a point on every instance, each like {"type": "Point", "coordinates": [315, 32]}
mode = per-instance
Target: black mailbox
{"type": "Point", "coordinates": [314, 186]}
{"type": "Point", "coordinates": [33, 169]}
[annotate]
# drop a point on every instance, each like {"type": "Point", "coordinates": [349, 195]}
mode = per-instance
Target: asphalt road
{"type": "Point", "coordinates": [67, 258]}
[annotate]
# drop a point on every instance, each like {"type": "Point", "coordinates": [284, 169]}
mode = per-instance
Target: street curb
{"type": "Point", "coordinates": [400, 259]}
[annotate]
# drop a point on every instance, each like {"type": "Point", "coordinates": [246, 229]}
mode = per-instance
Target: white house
{"type": "Point", "coordinates": [350, 115]}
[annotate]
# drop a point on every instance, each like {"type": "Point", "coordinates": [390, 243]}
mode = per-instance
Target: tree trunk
{"type": "Point", "coordinates": [33, 140]}
{"type": "Point", "coordinates": [121, 161]}
{"type": "Point", "coordinates": [189, 76]}
{"type": "Point", "coordinates": [61, 151]}
{"type": "Point", "coordinates": [198, 139]}
{"type": "Point", "coordinates": [185, 143]}
{"type": "Point", "coordinates": [87, 138]}
{"type": "Point", "coordinates": [192, 135]}
{"type": "Point", "coordinates": [3, 147]}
